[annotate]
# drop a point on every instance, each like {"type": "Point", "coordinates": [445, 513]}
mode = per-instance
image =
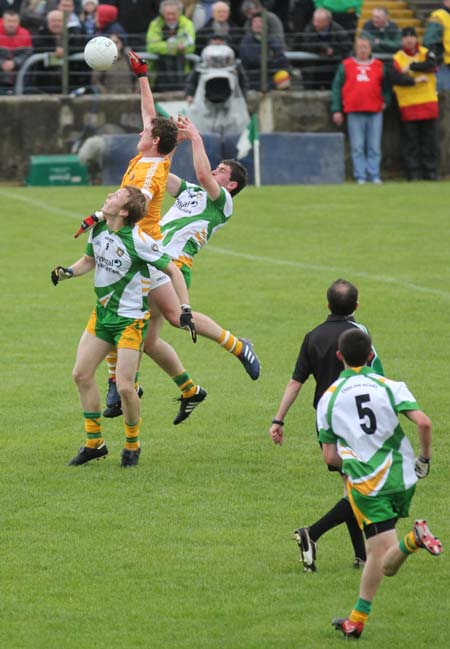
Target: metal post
{"type": "Point", "coordinates": [264, 50]}
{"type": "Point", "coordinates": [65, 62]}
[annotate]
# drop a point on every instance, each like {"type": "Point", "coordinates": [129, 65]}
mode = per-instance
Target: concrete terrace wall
{"type": "Point", "coordinates": [45, 125]}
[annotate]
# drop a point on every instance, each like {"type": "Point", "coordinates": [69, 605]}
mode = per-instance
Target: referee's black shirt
{"type": "Point", "coordinates": [318, 354]}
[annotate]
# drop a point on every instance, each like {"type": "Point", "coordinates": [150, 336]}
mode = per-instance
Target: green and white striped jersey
{"type": "Point", "coordinates": [121, 268]}
{"type": "Point", "coordinates": [358, 413]}
{"type": "Point", "coordinates": [192, 220]}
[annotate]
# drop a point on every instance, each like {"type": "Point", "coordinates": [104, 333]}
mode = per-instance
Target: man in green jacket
{"type": "Point", "coordinates": [170, 36]}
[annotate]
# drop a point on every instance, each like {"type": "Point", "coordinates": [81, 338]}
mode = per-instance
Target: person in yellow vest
{"type": "Point", "coordinates": [413, 75]}
{"type": "Point", "coordinates": [437, 39]}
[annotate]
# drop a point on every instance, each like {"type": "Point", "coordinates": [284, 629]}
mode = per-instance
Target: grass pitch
{"type": "Point", "coordinates": [193, 549]}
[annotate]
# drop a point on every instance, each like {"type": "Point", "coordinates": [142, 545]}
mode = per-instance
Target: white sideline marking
{"type": "Point", "coordinates": [358, 273]}
{"type": "Point", "coordinates": [41, 204]}
{"type": "Point", "coordinates": [242, 255]}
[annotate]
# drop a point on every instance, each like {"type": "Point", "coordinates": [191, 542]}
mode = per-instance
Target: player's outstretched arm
{"type": "Point", "coordinates": [140, 68]}
{"type": "Point", "coordinates": [89, 222]}
{"type": "Point", "coordinates": [202, 165]}
{"type": "Point", "coordinates": [80, 267]}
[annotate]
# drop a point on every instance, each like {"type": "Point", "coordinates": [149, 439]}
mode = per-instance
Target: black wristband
{"type": "Point", "coordinates": [278, 421]}
{"type": "Point", "coordinates": [424, 459]}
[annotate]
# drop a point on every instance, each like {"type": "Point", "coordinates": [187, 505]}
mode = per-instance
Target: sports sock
{"type": "Point", "coordinates": [230, 342]}
{"type": "Point", "coordinates": [111, 361]}
{"type": "Point", "coordinates": [408, 544]}
{"type": "Point", "coordinates": [186, 385]}
{"type": "Point", "coordinates": [337, 515]}
{"type": "Point", "coordinates": [361, 611]}
{"type": "Point", "coordinates": [340, 513]}
{"type": "Point", "coordinates": [93, 429]}
{"type": "Point", "coordinates": [132, 436]}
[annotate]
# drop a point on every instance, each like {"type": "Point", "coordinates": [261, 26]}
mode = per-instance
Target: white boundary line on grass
{"type": "Point", "coordinates": [358, 273]}
{"type": "Point", "coordinates": [37, 203]}
{"type": "Point", "coordinates": [266, 260]}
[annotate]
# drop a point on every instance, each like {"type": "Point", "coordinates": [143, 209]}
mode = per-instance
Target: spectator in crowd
{"type": "Point", "coordinates": [9, 5]}
{"type": "Point", "coordinates": [33, 14]}
{"type": "Point", "coordinates": [68, 7]}
{"type": "Point", "coordinates": [107, 22]}
{"type": "Point", "coordinates": [360, 92]}
{"type": "Point", "coordinates": [383, 34]}
{"type": "Point", "coordinates": [49, 39]}
{"type": "Point", "coordinates": [250, 55]}
{"type": "Point", "coordinates": [215, 91]}
{"type": "Point", "coordinates": [171, 36]}
{"type": "Point", "coordinates": [437, 40]}
{"type": "Point", "coordinates": [118, 80]}
{"type": "Point", "coordinates": [135, 17]}
{"type": "Point", "coordinates": [15, 46]}
{"type": "Point", "coordinates": [330, 41]}
{"type": "Point", "coordinates": [344, 12]}
{"type": "Point", "coordinates": [414, 82]}
{"type": "Point", "coordinates": [219, 25]}
{"type": "Point", "coordinates": [88, 18]}
{"type": "Point", "coordinates": [274, 25]}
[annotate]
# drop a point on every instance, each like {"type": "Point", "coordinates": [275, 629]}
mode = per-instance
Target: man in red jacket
{"type": "Point", "coordinates": [360, 92]}
{"type": "Point", "coordinates": [15, 46]}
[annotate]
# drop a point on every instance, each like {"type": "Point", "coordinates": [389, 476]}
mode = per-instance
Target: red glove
{"type": "Point", "coordinates": [139, 66]}
{"type": "Point", "coordinates": [88, 223]}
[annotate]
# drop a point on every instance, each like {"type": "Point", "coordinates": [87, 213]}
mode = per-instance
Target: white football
{"type": "Point", "coordinates": [100, 53]}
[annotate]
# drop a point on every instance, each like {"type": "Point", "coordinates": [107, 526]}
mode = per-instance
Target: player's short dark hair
{"type": "Point", "coordinates": [167, 131]}
{"type": "Point", "coordinates": [238, 174]}
{"type": "Point", "coordinates": [342, 297]}
{"type": "Point", "coordinates": [355, 346]}
{"type": "Point", "coordinates": [136, 205]}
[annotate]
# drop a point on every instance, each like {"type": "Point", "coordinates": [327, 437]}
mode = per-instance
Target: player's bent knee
{"type": "Point", "coordinates": [126, 390]}
{"type": "Point", "coordinates": [81, 377]}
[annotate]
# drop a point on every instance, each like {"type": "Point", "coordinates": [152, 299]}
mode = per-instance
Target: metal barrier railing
{"type": "Point", "coordinates": [305, 59]}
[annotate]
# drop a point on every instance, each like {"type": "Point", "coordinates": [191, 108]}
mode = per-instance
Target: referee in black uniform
{"type": "Point", "coordinates": [318, 357]}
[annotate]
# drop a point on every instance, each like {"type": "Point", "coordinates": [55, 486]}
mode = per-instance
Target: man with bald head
{"type": "Point", "coordinates": [219, 25]}
{"type": "Point", "coordinates": [49, 38]}
{"type": "Point", "coordinates": [384, 34]}
{"type": "Point", "coordinates": [325, 37]}
{"type": "Point", "coordinates": [317, 358]}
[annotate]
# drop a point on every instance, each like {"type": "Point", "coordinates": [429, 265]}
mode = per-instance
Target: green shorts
{"type": "Point", "coordinates": [375, 509]}
{"type": "Point", "coordinates": [120, 332]}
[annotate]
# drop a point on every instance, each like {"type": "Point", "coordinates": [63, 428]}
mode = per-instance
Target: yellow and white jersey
{"type": "Point", "coordinates": [150, 176]}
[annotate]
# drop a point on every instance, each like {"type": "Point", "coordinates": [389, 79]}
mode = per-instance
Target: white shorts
{"type": "Point", "coordinates": [157, 278]}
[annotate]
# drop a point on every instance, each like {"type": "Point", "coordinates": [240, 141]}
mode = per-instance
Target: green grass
{"type": "Point", "coordinates": [193, 550]}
